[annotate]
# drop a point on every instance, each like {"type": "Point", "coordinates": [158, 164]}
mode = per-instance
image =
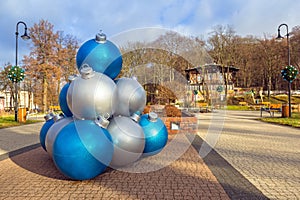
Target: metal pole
{"type": "Point", "coordinates": [25, 36]}
{"type": "Point", "coordinates": [16, 84]}
{"type": "Point", "coordinates": [290, 107]}
{"type": "Point", "coordinates": [289, 63]}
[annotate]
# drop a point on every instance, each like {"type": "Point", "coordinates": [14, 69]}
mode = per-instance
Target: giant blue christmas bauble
{"type": "Point", "coordinates": [131, 97]}
{"type": "Point", "coordinates": [91, 95]}
{"type": "Point", "coordinates": [63, 101]}
{"type": "Point", "coordinates": [59, 123]}
{"type": "Point", "coordinates": [100, 54]}
{"type": "Point", "coordinates": [128, 139]}
{"type": "Point", "coordinates": [82, 150]}
{"type": "Point", "coordinates": [156, 133]}
{"type": "Point", "coordinates": [43, 132]}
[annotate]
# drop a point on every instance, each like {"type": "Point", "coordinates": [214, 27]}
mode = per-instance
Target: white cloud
{"type": "Point", "coordinates": [263, 16]}
{"type": "Point", "coordinates": [84, 19]}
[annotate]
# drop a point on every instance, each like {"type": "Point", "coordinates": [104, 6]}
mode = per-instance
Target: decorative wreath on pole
{"type": "Point", "coordinates": [16, 74]}
{"type": "Point", "coordinates": [289, 73]}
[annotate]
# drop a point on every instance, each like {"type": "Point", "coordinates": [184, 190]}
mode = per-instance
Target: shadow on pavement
{"type": "Point", "coordinates": [37, 161]}
{"type": "Point", "coordinates": [233, 182]}
{"type": "Point", "coordinates": [187, 177]}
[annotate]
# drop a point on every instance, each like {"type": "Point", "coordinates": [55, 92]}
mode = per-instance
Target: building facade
{"type": "Point", "coordinates": [7, 100]}
{"type": "Point", "coordinates": [210, 82]}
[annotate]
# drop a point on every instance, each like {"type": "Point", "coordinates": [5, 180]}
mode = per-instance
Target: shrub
{"type": "Point", "coordinates": [172, 111]}
{"type": "Point", "coordinates": [147, 109]}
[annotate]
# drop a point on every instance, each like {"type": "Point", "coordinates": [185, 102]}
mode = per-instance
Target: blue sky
{"type": "Point", "coordinates": [85, 18]}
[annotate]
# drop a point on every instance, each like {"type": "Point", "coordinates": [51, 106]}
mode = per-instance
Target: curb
{"type": "Point", "coordinates": [19, 151]}
{"type": "Point", "coordinates": [233, 182]}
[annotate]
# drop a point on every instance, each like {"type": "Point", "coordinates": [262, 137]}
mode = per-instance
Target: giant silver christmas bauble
{"type": "Point", "coordinates": [131, 96]}
{"type": "Point", "coordinates": [59, 123]}
{"type": "Point", "coordinates": [91, 95]}
{"type": "Point", "coordinates": [128, 139]}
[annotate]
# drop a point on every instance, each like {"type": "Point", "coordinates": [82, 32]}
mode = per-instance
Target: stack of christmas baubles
{"type": "Point", "coordinates": [102, 123]}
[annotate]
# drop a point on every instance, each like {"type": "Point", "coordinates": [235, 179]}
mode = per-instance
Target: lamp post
{"type": "Point", "coordinates": [25, 36]}
{"type": "Point", "coordinates": [279, 37]}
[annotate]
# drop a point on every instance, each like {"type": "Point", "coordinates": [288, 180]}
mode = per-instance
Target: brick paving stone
{"type": "Point", "coordinates": [260, 163]}
{"type": "Point", "coordinates": [266, 155]}
{"type": "Point", "coordinates": [32, 175]}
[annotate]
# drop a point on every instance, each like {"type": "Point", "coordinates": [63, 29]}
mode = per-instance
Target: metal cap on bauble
{"type": "Point", "coordinates": [101, 37]}
{"type": "Point", "coordinates": [48, 117]}
{"type": "Point", "coordinates": [72, 77]}
{"type": "Point", "coordinates": [136, 116]}
{"type": "Point", "coordinates": [86, 72]}
{"type": "Point", "coordinates": [102, 121]}
{"type": "Point", "coordinates": [57, 117]}
{"type": "Point", "coordinates": [152, 116]}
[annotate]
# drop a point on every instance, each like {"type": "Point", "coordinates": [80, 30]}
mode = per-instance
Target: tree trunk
{"type": "Point", "coordinates": [269, 86]}
{"type": "Point", "coordinates": [58, 87]}
{"type": "Point", "coordinates": [29, 100]}
{"type": "Point", "coordinates": [12, 99]}
{"type": "Point", "coordinates": [19, 94]}
{"type": "Point", "coordinates": [226, 82]}
{"type": "Point", "coordinates": [45, 93]}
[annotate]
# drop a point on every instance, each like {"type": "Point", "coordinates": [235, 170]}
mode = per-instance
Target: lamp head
{"type": "Point", "coordinates": [25, 36]}
{"type": "Point", "coordinates": [279, 37]}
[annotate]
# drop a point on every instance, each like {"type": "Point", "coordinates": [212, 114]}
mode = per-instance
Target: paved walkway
{"type": "Point", "coordinates": [15, 139]}
{"type": "Point", "coordinates": [32, 174]}
{"type": "Point", "coordinates": [267, 155]}
{"type": "Point", "coordinates": [250, 160]}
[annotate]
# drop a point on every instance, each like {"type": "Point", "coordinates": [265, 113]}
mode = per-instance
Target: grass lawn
{"type": "Point", "coordinates": [294, 121]}
{"type": "Point", "coordinates": [237, 107]}
{"type": "Point", "coordinates": [9, 121]}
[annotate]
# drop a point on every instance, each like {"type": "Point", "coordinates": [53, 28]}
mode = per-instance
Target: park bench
{"type": "Point", "coordinates": [203, 107]}
{"type": "Point", "coordinates": [266, 103]}
{"type": "Point", "coordinates": [271, 109]}
{"type": "Point", "coordinates": [243, 103]}
{"type": "Point", "coordinates": [54, 107]}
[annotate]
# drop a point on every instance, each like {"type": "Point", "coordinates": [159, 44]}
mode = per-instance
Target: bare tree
{"type": "Point", "coordinates": [6, 84]}
{"type": "Point", "coordinates": [52, 58]}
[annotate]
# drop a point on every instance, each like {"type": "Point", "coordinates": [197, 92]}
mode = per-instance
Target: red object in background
{"type": "Point", "coordinates": [2, 104]}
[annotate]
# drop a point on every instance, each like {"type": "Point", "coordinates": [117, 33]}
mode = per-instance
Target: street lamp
{"type": "Point", "coordinates": [25, 36]}
{"type": "Point", "coordinates": [279, 37]}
